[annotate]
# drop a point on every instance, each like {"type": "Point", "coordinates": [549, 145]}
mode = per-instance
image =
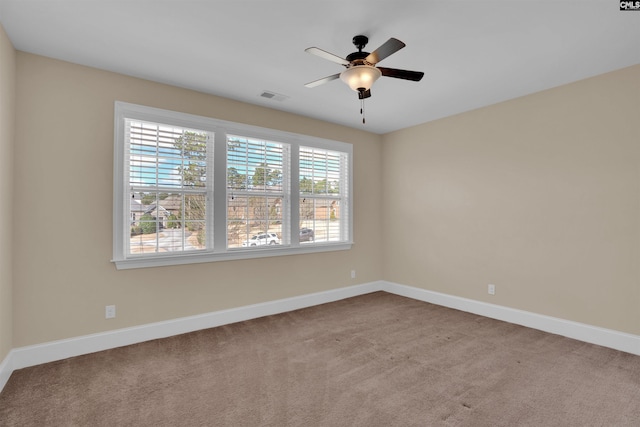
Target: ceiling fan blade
{"type": "Point", "coordinates": [323, 80]}
{"type": "Point", "coordinates": [415, 76]}
{"type": "Point", "coordinates": [391, 46]}
{"type": "Point", "coordinates": [326, 55]}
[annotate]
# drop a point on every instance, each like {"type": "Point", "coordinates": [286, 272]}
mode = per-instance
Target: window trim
{"type": "Point", "coordinates": [220, 128]}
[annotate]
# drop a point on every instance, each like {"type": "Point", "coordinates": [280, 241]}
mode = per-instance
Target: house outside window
{"type": "Point", "coordinates": [195, 189]}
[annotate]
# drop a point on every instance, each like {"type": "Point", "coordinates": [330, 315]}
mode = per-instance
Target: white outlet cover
{"type": "Point", "coordinates": [110, 311]}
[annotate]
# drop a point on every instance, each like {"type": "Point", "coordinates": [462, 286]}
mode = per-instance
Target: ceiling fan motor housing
{"type": "Point", "coordinates": [358, 58]}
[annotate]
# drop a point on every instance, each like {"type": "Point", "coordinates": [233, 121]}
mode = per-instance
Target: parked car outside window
{"type": "Point", "coordinates": [306, 235]}
{"type": "Point", "coordinates": [262, 239]}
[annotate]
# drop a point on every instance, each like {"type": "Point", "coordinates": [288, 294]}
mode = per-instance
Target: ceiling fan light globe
{"type": "Point", "coordinates": [360, 77]}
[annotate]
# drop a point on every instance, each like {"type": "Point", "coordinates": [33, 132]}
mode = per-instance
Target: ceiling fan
{"type": "Point", "coordinates": [361, 71]}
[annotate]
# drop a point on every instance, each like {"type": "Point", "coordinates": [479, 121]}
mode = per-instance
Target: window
{"type": "Point", "coordinates": [257, 176]}
{"type": "Point", "coordinates": [167, 179]}
{"type": "Point", "coordinates": [323, 195]}
{"type": "Point", "coordinates": [194, 189]}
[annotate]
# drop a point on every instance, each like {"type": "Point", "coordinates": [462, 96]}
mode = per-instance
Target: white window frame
{"type": "Point", "coordinates": [217, 196]}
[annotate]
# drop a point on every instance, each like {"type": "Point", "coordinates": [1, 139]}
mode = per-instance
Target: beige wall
{"type": "Point", "coordinates": [63, 187]}
{"type": "Point", "coordinates": [539, 196]}
{"type": "Point", "coordinates": [7, 120]}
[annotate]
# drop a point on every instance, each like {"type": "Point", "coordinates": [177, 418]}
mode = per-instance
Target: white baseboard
{"type": "Point", "coordinates": [6, 368]}
{"type": "Point", "coordinates": [592, 334]}
{"type": "Point", "coordinates": [23, 357]}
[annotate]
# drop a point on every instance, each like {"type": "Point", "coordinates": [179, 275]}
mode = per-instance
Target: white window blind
{"type": "Point", "coordinates": [324, 190]}
{"type": "Point", "coordinates": [167, 177]}
{"type": "Point", "coordinates": [257, 191]}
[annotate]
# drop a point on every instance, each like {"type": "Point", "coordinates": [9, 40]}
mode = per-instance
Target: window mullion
{"type": "Point", "coordinates": [219, 195]}
{"type": "Point", "coordinates": [345, 197]}
{"type": "Point", "coordinates": [294, 196]}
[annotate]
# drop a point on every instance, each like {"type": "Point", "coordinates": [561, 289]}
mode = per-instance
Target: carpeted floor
{"type": "Point", "coordinates": [372, 360]}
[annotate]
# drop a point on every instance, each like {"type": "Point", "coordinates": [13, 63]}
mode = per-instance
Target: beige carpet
{"type": "Point", "coordinates": [373, 360]}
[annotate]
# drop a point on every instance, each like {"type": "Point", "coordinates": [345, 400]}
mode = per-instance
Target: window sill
{"type": "Point", "coordinates": [233, 254]}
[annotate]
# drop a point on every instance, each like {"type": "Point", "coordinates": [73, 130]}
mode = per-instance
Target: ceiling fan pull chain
{"type": "Point", "coordinates": [362, 110]}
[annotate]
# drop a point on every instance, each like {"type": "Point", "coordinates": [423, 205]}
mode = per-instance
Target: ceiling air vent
{"type": "Point", "coordinates": [273, 96]}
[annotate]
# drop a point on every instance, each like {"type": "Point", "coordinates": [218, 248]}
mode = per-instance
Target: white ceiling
{"type": "Point", "coordinates": [473, 53]}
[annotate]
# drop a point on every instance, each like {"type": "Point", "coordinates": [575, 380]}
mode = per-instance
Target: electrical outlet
{"type": "Point", "coordinates": [110, 311]}
{"type": "Point", "coordinates": [353, 274]}
{"type": "Point", "coordinates": [491, 289]}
